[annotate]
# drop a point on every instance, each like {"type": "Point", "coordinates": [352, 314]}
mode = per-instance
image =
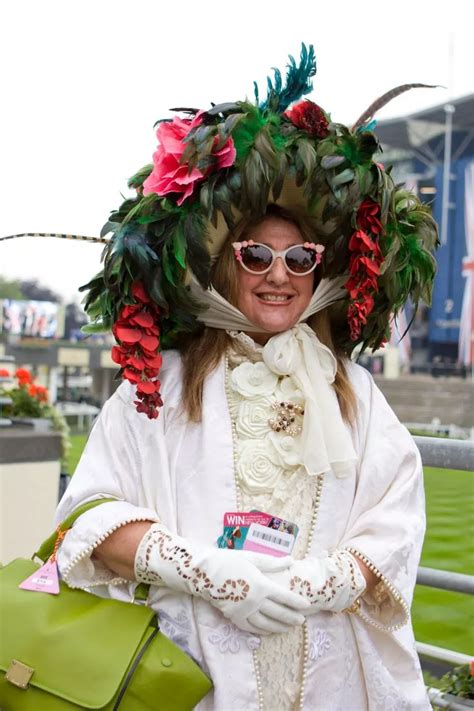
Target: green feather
{"type": "Point", "coordinates": [130, 241]}
{"type": "Point", "coordinates": [179, 247]}
{"type": "Point", "coordinates": [137, 180]}
{"type": "Point", "coordinates": [306, 156]}
{"type": "Point", "coordinates": [264, 145]}
{"type": "Point", "coordinates": [98, 326]}
{"type": "Point", "coordinates": [198, 256]}
{"type": "Point", "coordinates": [245, 131]}
{"type": "Point", "coordinates": [223, 202]}
{"type": "Point", "coordinates": [298, 82]}
{"type": "Point", "coordinates": [280, 176]}
{"type": "Point", "coordinates": [256, 181]}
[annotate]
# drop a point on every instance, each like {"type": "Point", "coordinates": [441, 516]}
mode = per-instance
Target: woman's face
{"type": "Point", "coordinates": [274, 300]}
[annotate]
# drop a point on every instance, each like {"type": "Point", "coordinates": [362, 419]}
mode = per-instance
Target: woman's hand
{"type": "Point", "coordinates": [235, 582]}
{"type": "Point", "coordinates": [331, 582]}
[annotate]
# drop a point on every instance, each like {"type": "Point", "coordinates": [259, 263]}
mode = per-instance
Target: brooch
{"type": "Point", "coordinates": [285, 418]}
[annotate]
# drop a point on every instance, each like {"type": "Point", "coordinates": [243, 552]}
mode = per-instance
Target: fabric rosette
{"type": "Point", "coordinates": [288, 391]}
{"type": "Point", "coordinates": [252, 418]}
{"type": "Point", "coordinates": [253, 380]}
{"type": "Point", "coordinates": [257, 467]}
{"type": "Point", "coordinates": [287, 449]}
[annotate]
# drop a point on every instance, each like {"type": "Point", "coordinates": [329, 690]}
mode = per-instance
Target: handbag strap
{"type": "Point", "coordinates": [134, 666]}
{"type": "Point", "coordinates": [46, 549]}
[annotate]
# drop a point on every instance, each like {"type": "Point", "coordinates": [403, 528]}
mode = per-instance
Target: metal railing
{"type": "Point", "coordinates": [445, 454]}
{"type": "Point", "coordinates": [445, 701]}
{"type": "Point", "coordinates": [445, 580]}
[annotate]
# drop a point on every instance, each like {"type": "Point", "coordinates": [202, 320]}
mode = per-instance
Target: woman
{"type": "Point", "coordinates": [263, 245]}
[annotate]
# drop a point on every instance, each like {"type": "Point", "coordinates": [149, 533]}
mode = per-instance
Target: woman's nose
{"type": "Point", "coordinates": [278, 274]}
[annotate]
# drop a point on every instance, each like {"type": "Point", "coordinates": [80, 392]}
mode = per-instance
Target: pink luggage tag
{"type": "Point", "coordinates": [46, 578]}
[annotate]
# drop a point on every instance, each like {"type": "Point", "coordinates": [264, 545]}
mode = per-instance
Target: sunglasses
{"type": "Point", "coordinates": [256, 258]}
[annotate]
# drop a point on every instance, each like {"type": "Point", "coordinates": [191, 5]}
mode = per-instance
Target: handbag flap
{"type": "Point", "coordinates": [79, 645]}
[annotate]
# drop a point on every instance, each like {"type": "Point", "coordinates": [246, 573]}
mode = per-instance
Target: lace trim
{"type": "Point", "coordinates": [243, 350]}
{"type": "Point", "coordinates": [347, 568]}
{"type": "Point", "coordinates": [385, 602]}
{"type": "Point", "coordinates": [70, 573]}
{"type": "Point", "coordinates": [232, 590]}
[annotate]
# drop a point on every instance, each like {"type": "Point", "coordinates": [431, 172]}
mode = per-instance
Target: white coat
{"type": "Point", "coordinates": [182, 474]}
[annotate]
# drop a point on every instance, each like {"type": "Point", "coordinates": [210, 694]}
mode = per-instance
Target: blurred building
{"type": "Point", "coordinates": [432, 152]}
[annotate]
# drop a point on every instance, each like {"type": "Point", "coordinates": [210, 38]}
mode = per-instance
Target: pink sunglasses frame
{"type": "Point", "coordinates": [318, 248]}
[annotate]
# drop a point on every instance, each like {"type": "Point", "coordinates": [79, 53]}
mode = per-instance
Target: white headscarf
{"type": "Point", "coordinates": [298, 352]}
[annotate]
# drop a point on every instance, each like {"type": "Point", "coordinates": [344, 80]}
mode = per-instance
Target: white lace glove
{"type": "Point", "coordinates": [332, 582]}
{"type": "Point", "coordinates": [235, 582]}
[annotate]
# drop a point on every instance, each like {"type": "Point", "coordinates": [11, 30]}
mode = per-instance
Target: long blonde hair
{"type": "Point", "coordinates": [202, 352]}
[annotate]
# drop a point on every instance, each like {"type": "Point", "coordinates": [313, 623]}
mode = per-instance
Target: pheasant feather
{"type": "Point", "coordinates": [56, 234]}
{"type": "Point", "coordinates": [385, 99]}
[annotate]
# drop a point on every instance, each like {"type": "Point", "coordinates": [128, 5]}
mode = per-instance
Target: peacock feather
{"type": "Point", "coordinates": [385, 99]}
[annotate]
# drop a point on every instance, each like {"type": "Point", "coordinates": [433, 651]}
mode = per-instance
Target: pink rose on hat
{"type": "Point", "coordinates": [170, 174]}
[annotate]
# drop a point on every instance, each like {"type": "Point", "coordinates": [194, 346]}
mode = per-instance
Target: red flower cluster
{"type": "Point", "coordinates": [364, 266]}
{"type": "Point", "coordinates": [23, 376]}
{"type": "Point", "coordinates": [39, 392]}
{"type": "Point", "coordinates": [137, 334]}
{"type": "Point", "coordinates": [25, 380]}
{"type": "Point", "coordinates": [309, 117]}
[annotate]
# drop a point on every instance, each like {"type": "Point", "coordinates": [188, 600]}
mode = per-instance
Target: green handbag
{"type": "Point", "coordinates": [78, 651]}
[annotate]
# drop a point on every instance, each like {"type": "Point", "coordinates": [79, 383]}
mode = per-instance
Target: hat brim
{"type": "Point", "coordinates": [291, 198]}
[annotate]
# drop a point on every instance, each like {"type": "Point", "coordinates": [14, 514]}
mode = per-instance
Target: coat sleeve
{"type": "Point", "coordinates": [123, 449]}
{"type": "Point", "coordinates": [387, 522]}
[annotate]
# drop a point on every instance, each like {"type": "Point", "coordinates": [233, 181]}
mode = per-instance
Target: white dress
{"type": "Point", "coordinates": [188, 474]}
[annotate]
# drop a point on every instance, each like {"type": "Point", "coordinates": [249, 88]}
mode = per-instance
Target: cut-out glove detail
{"type": "Point", "coordinates": [331, 582]}
{"type": "Point", "coordinates": [235, 582]}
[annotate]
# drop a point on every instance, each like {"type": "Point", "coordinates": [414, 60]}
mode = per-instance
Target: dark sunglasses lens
{"type": "Point", "coordinates": [300, 260]}
{"type": "Point", "coordinates": [256, 257]}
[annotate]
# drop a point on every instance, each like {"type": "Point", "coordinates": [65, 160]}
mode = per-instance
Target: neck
{"type": "Point", "coordinates": [260, 338]}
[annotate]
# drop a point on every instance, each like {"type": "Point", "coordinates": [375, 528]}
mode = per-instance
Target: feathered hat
{"type": "Point", "coordinates": [216, 165]}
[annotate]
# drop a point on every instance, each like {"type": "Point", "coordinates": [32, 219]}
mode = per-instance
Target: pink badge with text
{"type": "Point", "coordinates": [45, 579]}
{"type": "Point", "coordinates": [259, 532]}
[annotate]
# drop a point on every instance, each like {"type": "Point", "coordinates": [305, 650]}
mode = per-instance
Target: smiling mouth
{"type": "Point", "coordinates": [275, 298]}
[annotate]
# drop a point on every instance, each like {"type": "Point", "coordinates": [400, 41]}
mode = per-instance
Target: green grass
{"type": "Point", "coordinates": [441, 618]}
{"type": "Point", "coordinates": [78, 442]}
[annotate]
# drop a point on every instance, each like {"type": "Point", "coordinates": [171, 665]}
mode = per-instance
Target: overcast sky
{"type": "Point", "coordinates": [82, 84]}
